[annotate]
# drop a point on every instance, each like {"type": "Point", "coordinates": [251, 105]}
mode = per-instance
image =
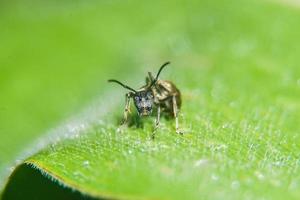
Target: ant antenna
{"type": "Point", "coordinates": [158, 73]}
{"type": "Point", "coordinates": [125, 86]}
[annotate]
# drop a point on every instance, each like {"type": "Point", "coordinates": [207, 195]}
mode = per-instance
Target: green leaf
{"type": "Point", "coordinates": [236, 65]}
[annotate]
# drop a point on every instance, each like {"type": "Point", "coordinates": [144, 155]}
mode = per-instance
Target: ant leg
{"type": "Point", "coordinates": [156, 121]}
{"type": "Point", "coordinates": [127, 108]}
{"type": "Point", "coordinates": [157, 117]}
{"type": "Point", "coordinates": [175, 111]}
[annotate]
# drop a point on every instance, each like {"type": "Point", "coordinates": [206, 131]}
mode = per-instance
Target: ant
{"type": "Point", "coordinates": [159, 94]}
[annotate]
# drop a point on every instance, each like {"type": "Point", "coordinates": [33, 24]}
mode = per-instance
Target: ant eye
{"type": "Point", "coordinates": [137, 98]}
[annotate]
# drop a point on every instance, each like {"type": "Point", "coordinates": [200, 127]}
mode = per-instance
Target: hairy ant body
{"type": "Point", "coordinates": [157, 94]}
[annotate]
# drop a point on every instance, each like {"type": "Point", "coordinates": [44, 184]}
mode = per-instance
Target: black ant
{"type": "Point", "coordinates": [161, 94]}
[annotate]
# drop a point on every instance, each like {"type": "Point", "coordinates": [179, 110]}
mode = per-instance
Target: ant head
{"type": "Point", "coordinates": [143, 101]}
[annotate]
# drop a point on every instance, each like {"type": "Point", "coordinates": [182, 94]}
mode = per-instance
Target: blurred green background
{"type": "Point", "coordinates": [55, 58]}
